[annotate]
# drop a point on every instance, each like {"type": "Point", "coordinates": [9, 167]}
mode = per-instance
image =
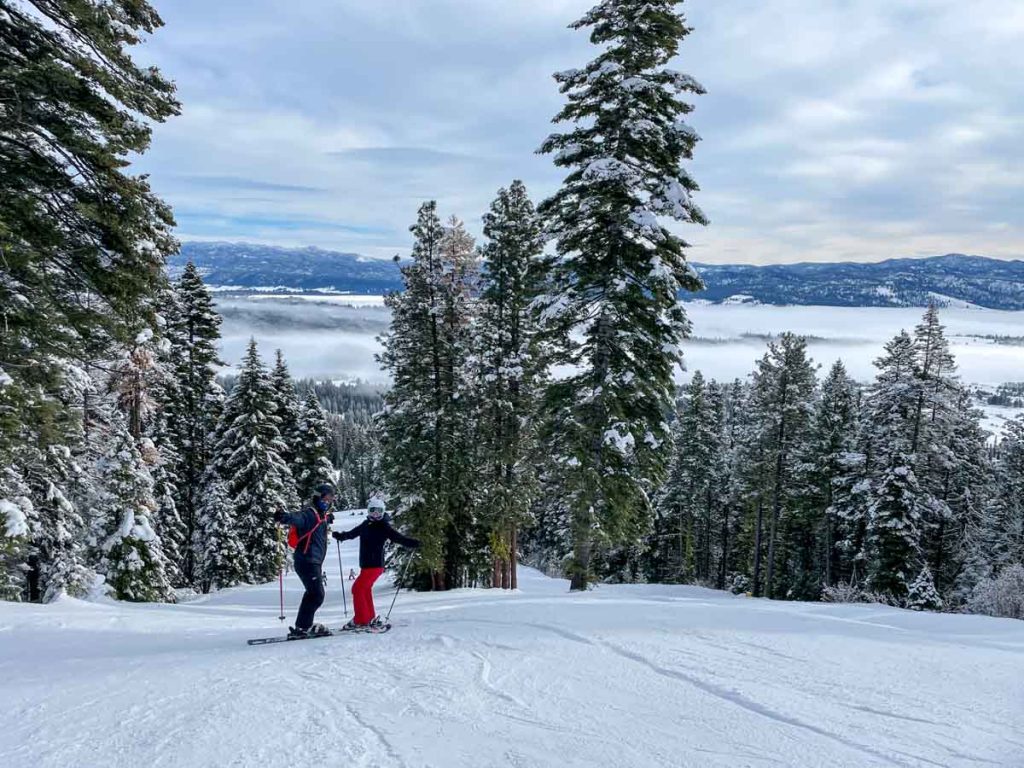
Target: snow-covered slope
{"type": "Point", "coordinates": [623, 676]}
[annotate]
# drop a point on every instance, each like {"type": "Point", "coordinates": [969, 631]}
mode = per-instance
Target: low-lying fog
{"type": "Point", "coordinates": [336, 336]}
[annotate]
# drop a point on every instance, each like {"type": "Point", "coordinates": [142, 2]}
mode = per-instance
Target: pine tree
{"type": "Point", "coordinates": [191, 401]}
{"type": "Point", "coordinates": [130, 554]}
{"type": "Point", "coordinates": [83, 241]}
{"type": "Point", "coordinates": [57, 485]}
{"type": "Point", "coordinates": [782, 404]}
{"type": "Point", "coordinates": [247, 460]}
{"type": "Point", "coordinates": [995, 538]}
{"type": "Point", "coordinates": [834, 468]}
{"type": "Point", "coordinates": [222, 557]}
{"type": "Point", "coordinates": [922, 594]}
{"type": "Point", "coordinates": [424, 423]}
{"type": "Point", "coordinates": [894, 528]}
{"type": "Point", "coordinates": [507, 368]}
{"type": "Point", "coordinates": [937, 418]}
{"type": "Point", "coordinates": [16, 515]}
{"type": "Point", "coordinates": [691, 498]}
{"type": "Point", "coordinates": [312, 465]}
{"type": "Point", "coordinates": [287, 402]}
{"type": "Point", "coordinates": [612, 299]}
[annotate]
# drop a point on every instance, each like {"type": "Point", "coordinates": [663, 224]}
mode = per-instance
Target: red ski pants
{"type": "Point", "coordinates": [362, 594]}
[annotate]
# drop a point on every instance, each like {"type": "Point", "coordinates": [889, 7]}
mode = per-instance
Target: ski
{"type": "Point", "coordinates": [332, 633]}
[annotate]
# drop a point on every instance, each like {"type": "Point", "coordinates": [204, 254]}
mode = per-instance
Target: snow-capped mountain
{"type": "Point", "coordinates": [950, 280]}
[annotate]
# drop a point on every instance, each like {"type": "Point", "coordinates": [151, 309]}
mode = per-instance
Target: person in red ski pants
{"type": "Point", "coordinates": [373, 533]}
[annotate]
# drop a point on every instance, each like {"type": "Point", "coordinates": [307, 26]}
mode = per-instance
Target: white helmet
{"type": "Point", "coordinates": [375, 510]}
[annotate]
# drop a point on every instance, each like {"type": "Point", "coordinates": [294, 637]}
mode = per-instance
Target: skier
{"type": "Point", "coordinates": [351, 574]}
{"type": "Point", "coordinates": [309, 538]}
{"type": "Point", "coordinates": [372, 534]}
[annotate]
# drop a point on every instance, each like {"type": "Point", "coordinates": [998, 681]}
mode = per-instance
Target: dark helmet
{"type": "Point", "coordinates": [325, 489]}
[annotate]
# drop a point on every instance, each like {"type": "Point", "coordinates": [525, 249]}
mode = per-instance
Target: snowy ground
{"type": "Point", "coordinates": [622, 676]}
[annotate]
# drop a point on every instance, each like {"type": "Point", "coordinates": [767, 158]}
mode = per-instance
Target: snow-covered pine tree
{"type": "Point", "coordinates": [612, 299]}
{"type": "Point", "coordinates": [247, 459]}
{"type": "Point", "coordinates": [312, 448]}
{"type": "Point", "coordinates": [58, 484]}
{"type": "Point", "coordinates": [995, 538]}
{"type": "Point", "coordinates": [834, 465]}
{"type": "Point", "coordinates": [16, 512]}
{"type": "Point", "coordinates": [894, 528]}
{"type": "Point", "coordinates": [897, 499]}
{"type": "Point", "coordinates": [129, 551]}
{"type": "Point", "coordinates": [936, 418]}
{"type": "Point", "coordinates": [191, 402]}
{"type": "Point", "coordinates": [690, 498]}
{"type": "Point", "coordinates": [424, 423]}
{"type": "Point", "coordinates": [922, 594]}
{"type": "Point", "coordinates": [287, 402]}
{"type": "Point", "coordinates": [507, 369]}
{"type": "Point", "coordinates": [222, 557]}
{"type": "Point", "coordinates": [782, 406]}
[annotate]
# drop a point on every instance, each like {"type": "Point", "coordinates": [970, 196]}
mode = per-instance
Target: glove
{"type": "Point", "coordinates": [279, 516]}
{"type": "Point", "coordinates": [330, 518]}
{"type": "Point", "coordinates": [336, 535]}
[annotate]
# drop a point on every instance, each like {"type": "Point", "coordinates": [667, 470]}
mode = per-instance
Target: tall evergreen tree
{"type": "Point", "coordinates": [83, 241]}
{"type": "Point", "coordinates": [834, 465]}
{"type": "Point", "coordinates": [508, 368]}
{"type": "Point", "coordinates": [424, 421]}
{"type": "Point", "coordinates": [287, 401]}
{"type": "Point", "coordinates": [612, 300]}
{"type": "Point", "coordinates": [691, 497]}
{"type": "Point", "coordinates": [782, 404]}
{"type": "Point", "coordinates": [312, 449]}
{"type": "Point", "coordinates": [247, 460]}
{"type": "Point", "coordinates": [192, 399]}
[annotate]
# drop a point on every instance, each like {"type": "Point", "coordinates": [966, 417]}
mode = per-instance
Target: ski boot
{"type": "Point", "coordinates": [377, 623]}
{"type": "Point", "coordinates": [297, 634]}
{"type": "Point", "coordinates": [318, 630]}
{"type": "Point", "coordinates": [350, 626]}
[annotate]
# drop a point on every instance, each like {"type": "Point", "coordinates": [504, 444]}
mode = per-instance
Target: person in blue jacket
{"type": "Point", "coordinates": [309, 539]}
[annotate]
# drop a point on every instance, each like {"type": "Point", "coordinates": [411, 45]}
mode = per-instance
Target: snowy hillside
{"type": "Point", "coordinates": [622, 676]}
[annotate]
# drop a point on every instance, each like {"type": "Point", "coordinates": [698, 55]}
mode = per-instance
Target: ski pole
{"type": "Point", "coordinates": [341, 578]}
{"type": "Point", "coordinates": [398, 586]}
{"type": "Point", "coordinates": [280, 571]}
{"type": "Point", "coordinates": [280, 585]}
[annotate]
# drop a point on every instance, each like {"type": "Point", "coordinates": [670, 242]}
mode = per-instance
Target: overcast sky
{"type": "Point", "coordinates": [832, 129]}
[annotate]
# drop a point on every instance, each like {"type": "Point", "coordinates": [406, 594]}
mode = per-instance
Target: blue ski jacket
{"type": "Point", "coordinates": [312, 526]}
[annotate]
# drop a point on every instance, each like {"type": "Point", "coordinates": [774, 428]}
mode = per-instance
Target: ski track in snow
{"type": "Point", "coordinates": [647, 676]}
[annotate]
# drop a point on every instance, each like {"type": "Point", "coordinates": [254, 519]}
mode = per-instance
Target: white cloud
{"type": "Point", "coordinates": [851, 129]}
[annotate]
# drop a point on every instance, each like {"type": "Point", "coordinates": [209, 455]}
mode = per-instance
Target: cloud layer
{"type": "Point", "coordinates": [839, 129]}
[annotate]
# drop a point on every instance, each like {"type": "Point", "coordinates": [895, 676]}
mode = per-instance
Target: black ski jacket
{"type": "Point", "coordinates": [372, 535]}
{"type": "Point", "coordinates": [304, 522]}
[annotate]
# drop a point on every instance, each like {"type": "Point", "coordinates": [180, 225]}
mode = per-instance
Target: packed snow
{"type": "Point", "coordinates": [620, 676]}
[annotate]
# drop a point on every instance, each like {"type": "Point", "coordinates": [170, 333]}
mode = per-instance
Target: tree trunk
{"type": "Point", "coordinates": [724, 565]}
{"type": "Point", "coordinates": [756, 588]}
{"type": "Point", "coordinates": [513, 575]}
{"type": "Point", "coordinates": [496, 571]}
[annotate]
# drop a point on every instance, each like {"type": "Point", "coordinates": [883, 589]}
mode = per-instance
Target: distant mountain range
{"type": "Point", "coordinates": [951, 280]}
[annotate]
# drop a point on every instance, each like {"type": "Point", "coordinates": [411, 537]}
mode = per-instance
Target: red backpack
{"type": "Point", "coordinates": [293, 533]}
